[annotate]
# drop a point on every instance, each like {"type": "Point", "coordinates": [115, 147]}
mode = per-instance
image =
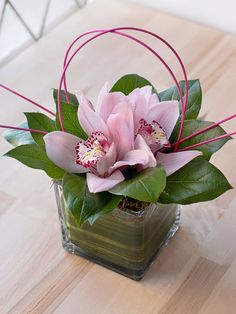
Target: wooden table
{"type": "Point", "coordinates": [196, 272]}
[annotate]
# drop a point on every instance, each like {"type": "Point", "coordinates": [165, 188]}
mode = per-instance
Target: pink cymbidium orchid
{"type": "Point", "coordinates": [153, 120]}
{"type": "Point", "coordinates": [122, 131]}
{"type": "Point", "coordinates": [111, 146]}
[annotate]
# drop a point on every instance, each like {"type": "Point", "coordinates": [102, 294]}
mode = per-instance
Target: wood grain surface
{"type": "Point", "coordinates": [196, 272]}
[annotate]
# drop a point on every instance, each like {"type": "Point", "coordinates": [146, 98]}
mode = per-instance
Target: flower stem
{"type": "Point", "coordinates": [22, 129]}
{"type": "Point", "coordinates": [118, 32]}
{"type": "Point", "coordinates": [206, 129]}
{"type": "Point", "coordinates": [27, 99]}
{"type": "Point", "coordinates": [114, 30]}
{"type": "Point", "coordinates": [207, 141]}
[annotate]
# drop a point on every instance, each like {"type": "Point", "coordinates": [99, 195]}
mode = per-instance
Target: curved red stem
{"type": "Point", "coordinates": [207, 141]}
{"type": "Point", "coordinates": [140, 30]}
{"type": "Point", "coordinates": [138, 41]}
{"type": "Point", "coordinates": [23, 129]}
{"type": "Point", "coordinates": [207, 128]}
{"type": "Point", "coordinates": [27, 99]}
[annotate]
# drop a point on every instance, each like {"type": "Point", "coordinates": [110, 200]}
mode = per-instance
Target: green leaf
{"type": "Point", "coordinates": [192, 126]}
{"type": "Point", "coordinates": [126, 84]}
{"type": "Point", "coordinates": [73, 99]}
{"type": "Point", "coordinates": [97, 204]}
{"type": "Point", "coordinates": [74, 187]}
{"type": "Point", "coordinates": [18, 137]}
{"type": "Point", "coordinates": [39, 121]}
{"type": "Point", "coordinates": [146, 186]}
{"type": "Point", "coordinates": [83, 204]}
{"type": "Point", "coordinates": [198, 181]}
{"type": "Point", "coordinates": [194, 99]}
{"type": "Point", "coordinates": [33, 156]}
{"type": "Point", "coordinates": [70, 120]}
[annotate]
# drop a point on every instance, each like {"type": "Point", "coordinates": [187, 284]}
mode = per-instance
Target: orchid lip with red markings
{"type": "Point", "coordinates": [153, 133]}
{"type": "Point", "coordinates": [130, 127]}
{"type": "Point", "coordinates": [89, 152]}
{"type": "Point", "coordinates": [124, 130]}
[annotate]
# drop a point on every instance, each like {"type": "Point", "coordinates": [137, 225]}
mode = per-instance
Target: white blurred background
{"type": "Point", "coordinates": [22, 22]}
{"type": "Point", "coordinates": [217, 13]}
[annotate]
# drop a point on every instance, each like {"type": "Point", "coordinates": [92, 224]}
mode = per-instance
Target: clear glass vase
{"type": "Point", "coordinates": [125, 241]}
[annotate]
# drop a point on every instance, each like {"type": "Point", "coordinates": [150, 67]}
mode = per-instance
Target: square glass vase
{"type": "Point", "coordinates": [124, 241]}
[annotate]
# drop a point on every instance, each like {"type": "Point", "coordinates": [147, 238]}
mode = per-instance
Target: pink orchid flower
{"type": "Point", "coordinates": [123, 131]}
{"type": "Point", "coordinates": [111, 146]}
{"type": "Point", "coordinates": [153, 120]}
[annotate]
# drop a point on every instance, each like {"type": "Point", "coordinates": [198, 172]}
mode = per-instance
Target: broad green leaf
{"type": "Point", "coordinates": [146, 186]}
{"type": "Point", "coordinates": [73, 99]}
{"type": "Point", "coordinates": [18, 137]}
{"type": "Point", "coordinates": [39, 121]}
{"type": "Point", "coordinates": [70, 120]}
{"type": "Point", "coordinates": [83, 204]}
{"type": "Point", "coordinates": [192, 126]}
{"type": "Point", "coordinates": [33, 156]}
{"type": "Point", "coordinates": [194, 99]}
{"type": "Point", "coordinates": [198, 181]}
{"type": "Point", "coordinates": [97, 204]}
{"type": "Point", "coordinates": [126, 84]}
{"type": "Point", "coordinates": [74, 187]}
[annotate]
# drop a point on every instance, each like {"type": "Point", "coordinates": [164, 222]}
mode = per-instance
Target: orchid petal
{"type": "Point", "coordinates": [140, 110]}
{"type": "Point", "coordinates": [107, 103]}
{"type": "Point", "coordinates": [131, 158]}
{"type": "Point", "coordinates": [154, 100]}
{"type": "Point", "coordinates": [97, 184]}
{"type": "Point", "coordinates": [139, 99]}
{"type": "Point", "coordinates": [88, 118]}
{"type": "Point", "coordinates": [104, 90]}
{"type": "Point", "coordinates": [121, 127]}
{"type": "Point", "coordinates": [107, 161]}
{"type": "Point", "coordinates": [140, 143]}
{"type": "Point", "coordinates": [166, 113]}
{"type": "Point", "coordinates": [174, 161]}
{"type": "Point", "coordinates": [145, 91]}
{"type": "Point", "coordinates": [60, 148]}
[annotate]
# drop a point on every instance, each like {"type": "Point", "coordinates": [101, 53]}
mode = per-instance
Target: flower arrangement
{"type": "Point", "coordinates": [131, 143]}
{"type": "Point", "coordinates": [132, 147]}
